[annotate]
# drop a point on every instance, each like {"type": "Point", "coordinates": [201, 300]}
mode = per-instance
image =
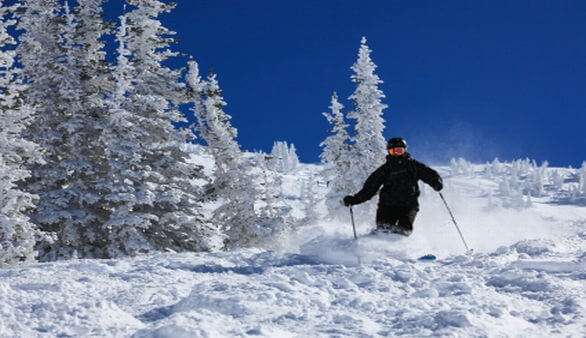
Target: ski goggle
{"type": "Point", "coordinates": [397, 151]}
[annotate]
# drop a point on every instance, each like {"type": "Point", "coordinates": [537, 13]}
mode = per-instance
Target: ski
{"type": "Point", "coordinates": [427, 258]}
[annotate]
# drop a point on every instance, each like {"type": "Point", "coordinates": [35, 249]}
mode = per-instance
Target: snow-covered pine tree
{"type": "Point", "coordinates": [17, 233]}
{"type": "Point", "coordinates": [126, 226]}
{"type": "Point", "coordinates": [52, 55]}
{"type": "Point", "coordinates": [153, 200]}
{"type": "Point", "coordinates": [292, 158]}
{"type": "Point", "coordinates": [309, 199]}
{"type": "Point", "coordinates": [537, 179]}
{"type": "Point", "coordinates": [557, 180]}
{"type": "Point", "coordinates": [275, 217]}
{"type": "Point", "coordinates": [369, 142]}
{"type": "Point", "coordinates": [88, 74]}
{"type": "Point", "coordinates": [69, 61]}
{"type": "Point", "coordinates": [94, 81]}
{"type": "Point", "coordinates": [495, 168]}
{"type": "Point", "coordinates": [582, 179]}
{"type": "Point", "coordinates": [283, 157]}
{"type": "Point", "coordinates": [337, 158]}
{"type": "Point", "coordinates": [278, 156]}
{"type": "Point", "coordinates": [460, 166]}
{"type": "Point", "coordinates": [233, 183]}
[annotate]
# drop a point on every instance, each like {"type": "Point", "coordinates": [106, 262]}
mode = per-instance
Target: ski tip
{"type": "Point", "coordinates": [428, 257]}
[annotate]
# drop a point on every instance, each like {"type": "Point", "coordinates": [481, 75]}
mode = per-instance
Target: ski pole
{"type": "Point", "coordinates": [355, 237]}
{"type": "Point", "coordinates": [353, 225]}
{"type": "Point", "coordinates": [455, 223]}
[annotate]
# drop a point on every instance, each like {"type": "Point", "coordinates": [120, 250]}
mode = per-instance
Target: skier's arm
{"type": "Point", "coordinates": [371, 186]}
{"type": "Point", "coordinates": [429, 176]}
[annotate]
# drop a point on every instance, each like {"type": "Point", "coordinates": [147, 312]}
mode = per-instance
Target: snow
{"type": "Point", "coordinates": [526, 277]}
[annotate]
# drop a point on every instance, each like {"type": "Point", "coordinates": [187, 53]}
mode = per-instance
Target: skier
{"type": "Point", "coordinates": [398, 201]}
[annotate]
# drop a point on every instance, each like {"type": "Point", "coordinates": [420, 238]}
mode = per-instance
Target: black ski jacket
{"type": "Point", "coordinates": [398, 178]}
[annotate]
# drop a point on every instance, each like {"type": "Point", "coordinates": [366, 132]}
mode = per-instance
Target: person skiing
{"type": "Point", "coordinates": [398, 201]}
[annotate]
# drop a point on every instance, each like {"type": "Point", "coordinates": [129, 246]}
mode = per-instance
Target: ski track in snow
{"type": "Point", "coordinates": [527, 277]}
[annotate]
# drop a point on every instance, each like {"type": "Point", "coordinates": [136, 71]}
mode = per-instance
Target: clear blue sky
{"type": "Point", "coordinates": [477, 79]}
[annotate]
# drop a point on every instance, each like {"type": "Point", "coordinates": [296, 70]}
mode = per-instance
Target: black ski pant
{"type": "Point", "coordinates": [396, 219]}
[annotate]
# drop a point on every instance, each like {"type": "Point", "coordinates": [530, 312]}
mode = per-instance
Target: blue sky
{"type": "Point", "coordinates": [477, 79]}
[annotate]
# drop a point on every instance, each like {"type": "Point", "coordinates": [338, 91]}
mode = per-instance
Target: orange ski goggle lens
{"type": "Point", "coordinates": [397, 151]}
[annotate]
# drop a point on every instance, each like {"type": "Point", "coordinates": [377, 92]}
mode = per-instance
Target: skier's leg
{"type": "Point", "coordinates": [386, 218]}
{"type": "Point", "coordinates": [406, 221]}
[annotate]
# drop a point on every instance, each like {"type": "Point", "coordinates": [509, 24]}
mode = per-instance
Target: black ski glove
{"type": "Point", "coordinates": [348, 201]}
{"type": "Point", "coordinates": [438, 186]}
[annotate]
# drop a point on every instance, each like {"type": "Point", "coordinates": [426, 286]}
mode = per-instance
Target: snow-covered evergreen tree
{"type": "Point", "coordinates": [461, 167]}
{"type": "Point", "coordinates": [126, 225]}
{"type": "Point", "coordinates": [150, 191]}
{"type": "Point", "coordinates": [284, 157]}
{"type": "Point", "coordinates": [557, 180]}
{"type": "Point", "coordinates": [38, 53]}
{"type": "Point", "coordinates": [17, 234]}
{"type": "Point", "coordinates": [335, 146]}
{"type": "Point", "coordinates": [309, 199]}
{"type": "Point", "coordinates": [582, 179]}
{"type": "Point", "coordinates": [95, 80]}
{"type": "Point", "coordinates": [292, 158]}
{"type": "Point", "coordinates": [337, 157]}
{"type": "Point", "coordinates": [278, 155]}
{"type": "Point", "coordinates": [233, 184]}
{"type": "Point", "coordinates": [63, 53]}
{"type": "Point", "coordinates": [495, 168]}
{"type": "Point", "coordinates": [54, 59]}
{"type": "Point", "coordinates": [537, 178]}
{"type": "Point", "coordinates": [369, 142]}
{"type": "Point", "coordinates": [275, 218]}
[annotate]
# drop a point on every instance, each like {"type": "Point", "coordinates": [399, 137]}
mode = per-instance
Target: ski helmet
{"type": "Point", "coordinates": [396, 142]}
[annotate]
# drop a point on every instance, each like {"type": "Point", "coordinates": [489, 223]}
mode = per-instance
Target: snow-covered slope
{"type": "Point", "coordinates": [526, 277]}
